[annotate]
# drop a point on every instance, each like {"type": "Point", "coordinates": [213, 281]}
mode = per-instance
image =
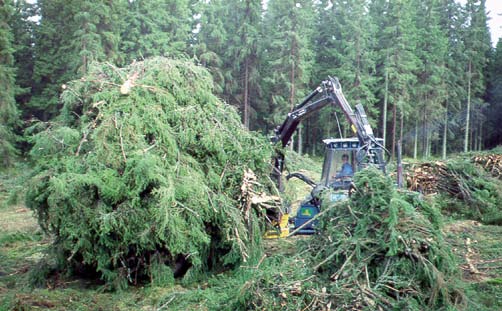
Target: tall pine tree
{"type": "Point", "coordinates": [211, 40]}
{"type": "Point", "coordinates": [397, 61]}
{"type": "Point", "coordinates": [430, 91]}
{"type": "Point", "coordinates": [344, 44]}
{"type": "Point", "coordinates": [70, 35]}
{"type": "Point", "coordinates": [477, 43]}
{"type": "Point", "coordinates": [155, 28]}
{"type": "Point", "coordinates": [23, 28]}
{"type": "Point", "coordinates": [494, 97]}
{"type": "Point", "coordinates": [242, 57]}
{"type": "Point", "coordinates": [8, 110]}
{"type": "Point", "coordinates": [452, 22]}
{"type": "Point", "coordinates": [288, 53]}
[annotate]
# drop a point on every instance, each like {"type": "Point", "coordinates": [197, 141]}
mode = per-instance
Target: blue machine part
{"type": "Point", "coordinates": [305, 213]}
{"type": "Point", "coordinates": [339, 196]}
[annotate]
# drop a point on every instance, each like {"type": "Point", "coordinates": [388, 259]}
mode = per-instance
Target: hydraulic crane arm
{"type": "Point", "coordinates": [328, 92]}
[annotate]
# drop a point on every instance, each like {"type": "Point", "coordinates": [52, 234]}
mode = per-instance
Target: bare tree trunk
{"type": "Point", "coordinates": [401, 128]}
{"type": "Point", "coordinates": [415, 143]}
{"type": "Point", "coordinates": [480, 135]}
{"type": "Point", "coordinates": [300, 140]}
{"type": "Point", "coordinates": [445, 131]}
{"type": "Point", "coordinates": [246, 93]}
{"type": "Point", "coordinates": [427, 140]}
{"type": "Point", "coordinates": [292, 80]}
{"type": "Point", "coordinates": [385, 99]}
{"type": "Point", "coordinates": [84, 58]}
{"type": "Point", "coordinates": [394, 121]}
{"type": "Point", "coordinates": [468, 117]}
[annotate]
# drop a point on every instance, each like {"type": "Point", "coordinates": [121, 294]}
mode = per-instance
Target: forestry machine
{"type": "Point", "coordinates": [357, 153]}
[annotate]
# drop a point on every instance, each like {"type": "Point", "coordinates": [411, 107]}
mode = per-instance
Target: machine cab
{"type": "Point", "coordinates": [342, 160]}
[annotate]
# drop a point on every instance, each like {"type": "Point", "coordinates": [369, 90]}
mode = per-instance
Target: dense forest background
{"type": "Point", "coordinates": [425, 70]}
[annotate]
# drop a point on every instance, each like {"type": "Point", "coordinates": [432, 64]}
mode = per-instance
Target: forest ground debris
{"type": "Point", "coordinates": [383, 249]}
{"type": "Point", "coordinates": [467, 186]}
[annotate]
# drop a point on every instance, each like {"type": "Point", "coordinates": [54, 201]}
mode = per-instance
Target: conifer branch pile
{"type": "Point", "coordinates": [143, 167]}
{"type": "Point", "coordinates": [434, 177]}
{"type": "Point", "coordinates": [381, 250]}
{"type": "Point", "coordinates": [470, 186]}
{"type": "Point", "coordinates": [384, 249]}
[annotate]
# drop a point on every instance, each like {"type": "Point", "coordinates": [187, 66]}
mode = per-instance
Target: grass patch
{"type": "Point", "coordinates": [479, 253]}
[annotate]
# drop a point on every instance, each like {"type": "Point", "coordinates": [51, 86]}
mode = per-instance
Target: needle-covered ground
{"type": "Point", "coordinates": [284, 279]}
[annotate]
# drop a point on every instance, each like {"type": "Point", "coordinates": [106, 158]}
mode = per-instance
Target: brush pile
{"type": "Point", "coordinates": [380, 250]}
{"type": "Point", "coordinates": [491, 163]}
{"type": "Point", "coordinates": [140, 177]}
{"type": "Point", "coordinates": [385, 250]}
{"type": "Point", "coordinates": [466, 186]}
{"type": "Point", "coordinates": [434, 177]}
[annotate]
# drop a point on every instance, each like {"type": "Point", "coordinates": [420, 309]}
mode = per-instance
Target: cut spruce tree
{"type": "Point", "coordinates": [140, 176]}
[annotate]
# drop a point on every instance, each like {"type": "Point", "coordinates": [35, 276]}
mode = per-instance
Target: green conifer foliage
{"type": "Point", "coordinates": [384, 249]}
{"type": "Point", "coordinates": [145, 165]}
{"type": "Point", "coordinates": [346, 40]}
{"type": "Point", "coordinates": [212, 40]}
{"type": "Point", "coordinates": [397, 53]}
{"type": "Point", "coordinates": [23, 27]}
{"type": "Point", "coordinates": [287, 27]}
{"type": "Point", "coordinates": [478, 46]}
{"type": "Point", "coordinates": [69, 37]}
{"type": "Point", "coordinates": [8, 110]}
{"type": "Point", "coordinates": [495, 96]}
{"type": "Point", "coordinates": [155, 28]}
{"type": "Point", "coordinates": [431, 89]}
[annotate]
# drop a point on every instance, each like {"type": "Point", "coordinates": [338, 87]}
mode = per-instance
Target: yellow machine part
{"type": "Point", "coordinates": [281, 229]}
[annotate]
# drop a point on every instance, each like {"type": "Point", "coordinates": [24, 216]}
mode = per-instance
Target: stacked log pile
{"type": "Point", "coordinates": [435, 177]}
{"type": "Point", "coordinates": [491, 163]}
{"type": "Point", "coordinates": [452, 178]}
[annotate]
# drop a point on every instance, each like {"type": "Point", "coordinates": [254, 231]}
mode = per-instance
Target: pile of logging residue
{"type": "Point", "coordinates": [140, 176]}
{"type": "Point", "coordinates": [384, 250]}
{"type": "Point", "coordinates": [381, 250]}
{"type": "Point", "coordinates": [468, 187]}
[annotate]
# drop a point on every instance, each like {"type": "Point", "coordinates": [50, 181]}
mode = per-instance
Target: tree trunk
{"type": "Point", "coordinates": [468, 117]}
{"type": "Point", "coordinates": [246, 93]}
{"type": "Point", "coordinates": [300, 140]}
{"type": "Point", "coordinates": [427, 140]}
{"type": "Point", "coordinates": [480, 136]}
{"type": "Point", "coordinates": [385, 99]}
{"type": "Point", "coordinates": [445, 131]}
{"type": "Point", "coordinates": [401, 129]}
{"type": "Point", "coordinates": [480, 128]}
{"type": "Point", "coordinates": [292, 80]}
{"type": "Point", "coordinates": [415, 144]}
{"type": "Point", "coordinates": [394, 116]}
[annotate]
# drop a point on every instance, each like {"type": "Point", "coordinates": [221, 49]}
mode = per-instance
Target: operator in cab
{"type": "Point", "coordinates": [347, 170]}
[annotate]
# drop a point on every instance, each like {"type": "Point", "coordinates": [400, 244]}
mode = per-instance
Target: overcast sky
{"type": "Point", "coordinates": [494, 8]}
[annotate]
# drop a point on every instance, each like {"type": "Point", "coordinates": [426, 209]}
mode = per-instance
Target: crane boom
{"type": "Point", "coordinates": [328, 92]}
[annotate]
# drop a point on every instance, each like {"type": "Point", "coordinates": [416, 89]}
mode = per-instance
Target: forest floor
{"type": "Point", "coordinates": [478, 249]}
